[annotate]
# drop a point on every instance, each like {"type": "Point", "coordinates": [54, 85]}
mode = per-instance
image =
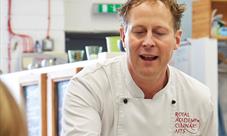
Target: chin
{"type": "Point", "coordinates": [146, 74]}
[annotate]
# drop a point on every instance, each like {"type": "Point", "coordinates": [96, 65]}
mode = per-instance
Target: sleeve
{"type": "Point", "coordinates": [81, 111]}
{"type": "Point", "coordinates": [211, 128]}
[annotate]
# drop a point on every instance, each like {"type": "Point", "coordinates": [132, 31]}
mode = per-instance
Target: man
{"type": "Point", "coordinates": [140, 94]}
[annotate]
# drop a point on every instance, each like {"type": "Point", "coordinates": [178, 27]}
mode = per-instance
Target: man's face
{"type": "Point", "coordinates": [149, 39]}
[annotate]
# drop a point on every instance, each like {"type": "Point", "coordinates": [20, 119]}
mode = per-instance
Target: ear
{"type": "Point", "coordinates": [122, 35]}
{"type": "Point", "coordinates": [178, 38]}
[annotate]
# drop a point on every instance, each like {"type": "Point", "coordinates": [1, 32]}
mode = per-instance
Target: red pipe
{"type": "Point", "coordinates": [12, 34]}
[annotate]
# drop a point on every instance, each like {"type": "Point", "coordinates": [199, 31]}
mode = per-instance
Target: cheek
{"type": "Point", "coordinates": [167, 49]}
{"type": "Point", "coordinates": [127, 41]}
{"type": "Point", "coordinates": [134, 41]}
{"type": "Point", "coordinates": [131, 43]}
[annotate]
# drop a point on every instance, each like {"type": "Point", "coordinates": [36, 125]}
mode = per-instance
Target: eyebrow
{"type": "Point", "coordinates": [154, 28]}
{"type": "Point", "coordinates": [138, 26]}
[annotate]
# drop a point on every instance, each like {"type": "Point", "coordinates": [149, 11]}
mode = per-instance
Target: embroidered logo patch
{"type": "Point", "coordinates": [186, 124]}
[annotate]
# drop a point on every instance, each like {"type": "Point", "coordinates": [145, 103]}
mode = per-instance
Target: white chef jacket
{"type": "Point", "coordinates": [103, 100]}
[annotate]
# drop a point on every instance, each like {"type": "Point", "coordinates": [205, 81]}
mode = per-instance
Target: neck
{"type": "Point", "coordinates": [152, 85]}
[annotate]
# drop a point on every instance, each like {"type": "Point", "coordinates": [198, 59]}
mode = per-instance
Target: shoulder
{"type": "Point", "coordinates": [189, 87]}
{"type": "Point", "coordinates": [183, 79]}
{"type": "Point", "coordinates": [193, 96]}
{"type": "Point", "coordinates": [98, 76]}
{"type": "Point", "coordinates": [93, 84]}
{"type": "Point", "coordinates": [100, 69]}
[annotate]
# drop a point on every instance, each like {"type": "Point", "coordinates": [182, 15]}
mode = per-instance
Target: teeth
{"type": "Point", "coordinates": [148, 57]}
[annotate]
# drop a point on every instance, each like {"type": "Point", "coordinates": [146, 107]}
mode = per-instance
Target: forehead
{"type": "Point", "coordinates": [150, 11]}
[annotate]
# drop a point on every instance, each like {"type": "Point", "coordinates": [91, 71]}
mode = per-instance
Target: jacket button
{"type": "Point", "coordinates": [125, 100]}
{"type": "Point", "coordinates": [173, 101]}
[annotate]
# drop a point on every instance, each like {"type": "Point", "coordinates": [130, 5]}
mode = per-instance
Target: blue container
{"type": "Point", "coordinates": [223, 31]}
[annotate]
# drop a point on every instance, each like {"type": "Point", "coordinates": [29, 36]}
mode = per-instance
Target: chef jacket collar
{"type": "Point", "coordinates": [134, 90]}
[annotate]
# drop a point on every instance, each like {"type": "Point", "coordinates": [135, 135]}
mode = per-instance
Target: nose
{"type": "Point", "coordinates": [148, 40]}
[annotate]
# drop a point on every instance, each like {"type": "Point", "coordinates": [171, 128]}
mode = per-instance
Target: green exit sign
{"type": "Point", "coordinates": [108, 8]}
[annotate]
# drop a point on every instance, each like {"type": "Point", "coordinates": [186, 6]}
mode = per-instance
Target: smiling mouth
{"type": "Point", "coordinates": [148, 57]}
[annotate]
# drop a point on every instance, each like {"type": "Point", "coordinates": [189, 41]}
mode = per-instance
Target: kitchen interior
{"type": "Point", "coordinates": [39, 37]}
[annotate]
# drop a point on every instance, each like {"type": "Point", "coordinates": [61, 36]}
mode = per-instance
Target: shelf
{"type": "Point", "coordinates": [222, 68]}
{"type": "Point", "coordinates": [219, 0]}
{"type": "Point", "coordinates": [220, 38]}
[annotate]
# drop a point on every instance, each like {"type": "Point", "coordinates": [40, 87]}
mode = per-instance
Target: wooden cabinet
{"type": "Point", "coordinates": [221, 6]}
{"type": "Point", "coordinates": [201, 16]}
{"type": "Point", "coordinates": [201, 13]}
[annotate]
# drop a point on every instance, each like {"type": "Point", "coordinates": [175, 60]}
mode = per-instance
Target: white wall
{"type": "Point", "coordinates": [80, 17]}
{"type": "Point", "coordinates": [30, 17]}
{"type": "Point", "coordinates": [3, 35]}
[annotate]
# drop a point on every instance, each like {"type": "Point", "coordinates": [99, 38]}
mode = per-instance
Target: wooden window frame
{"type": "Point", "coordinates": [41, 81]}
{"type": "Point", "coordinates": [53, 79]}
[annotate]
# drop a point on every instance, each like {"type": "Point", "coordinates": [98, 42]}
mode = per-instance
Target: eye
{"type": "Point", "coordinates": [138, 31]}
{"type": "Point", "coordinates": [159, 33]}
